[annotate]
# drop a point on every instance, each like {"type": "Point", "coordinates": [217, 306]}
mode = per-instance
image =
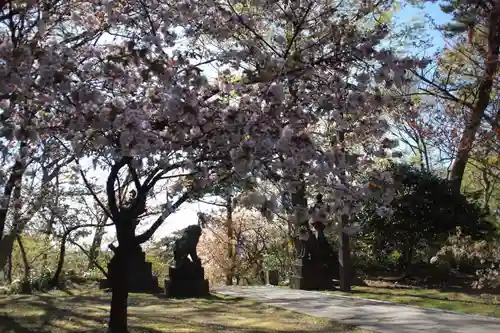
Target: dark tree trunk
{"type": "Point", "coordinates": [119, 297]}
{"type": "Point", "coordinates": [24, 256]}
{"type": "Point", "coordinates": [118, 274]}
{"type": "Point", "coordinates": [13, 187]}
{"type": "Point", "coordinates": [299, 204]}
{"type": "Point", "coordinates": [230, 245]}
{"type": "Point", "coordinates": [344, 257]}
{"type": "Point", "coordinates": [96, 244]}
{"type": "Point", "coordinates": [26, 285]}
{"type": "Point", "coordinates": [378, 248]}
{"type": "Point", "coordinates": [482, 101]}
{"type": "Point", "coordinates": [406, 258]}
{"type": "Point", "coordinates": [54, 282]}
{"type": "Point", "coordinates": [345, 264]}
{"type": "Point", "coordinates": [262, 273]}
{"type": "Point", "coordinates": [16, 174]}
{"type": "Point", "coordinates": [9, 268]}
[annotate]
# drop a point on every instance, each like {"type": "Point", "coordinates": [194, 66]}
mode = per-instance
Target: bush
{"type": "Point", "coordinates": [367, 262]}
{"type": "Point", "coordinates": [36, 282]}
{"type": "Point", "coordinates": [417, 223]}
{"type": "Point", "coordinates": [16, 287]}
{"type": "Point", "coordinates": [76, 277]}
{"type": "Point", "coordinates": [92, 275]}
{"type": "Point", "coordinates": [484, 254]}
{"type": "Point", "coordinates": [41, 282]}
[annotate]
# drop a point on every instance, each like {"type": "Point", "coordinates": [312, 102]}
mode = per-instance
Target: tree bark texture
{"type": "Point", "coordinates": [54, 282]}
{"type": "Point", "coordinates": [482, 100]}
{"type": "Point", "coordinates": [95, 247]}
{"type": "Point", "coordinates": [119, 297]}
{"type": "Point", "coordinates": [344, 256]}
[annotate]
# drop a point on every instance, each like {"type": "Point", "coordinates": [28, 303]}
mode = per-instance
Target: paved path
{"type": "Point", "coordinates": [366, 314]}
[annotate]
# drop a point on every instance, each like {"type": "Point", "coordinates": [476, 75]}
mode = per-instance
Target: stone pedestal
{"type": "Point", "coordinates": [308, 275]}
{"type": "Point", "coordinates": [302, 277]}
{"type": "Point", "coordinates": [139, 277]}
{"type": "Point", "coordinates": [272, 277]}
{"type": "Point", "coordinates": [187, 280]}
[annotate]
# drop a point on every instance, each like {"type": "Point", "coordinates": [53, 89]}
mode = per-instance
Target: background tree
{"type": "Point", "coordinates": [466, 77]}
{"type": "Point", "coordinates": [254, 238]}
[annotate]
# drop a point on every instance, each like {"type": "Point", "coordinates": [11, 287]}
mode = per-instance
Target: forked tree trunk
{"type": "Point", "coordinates": [119, 297]}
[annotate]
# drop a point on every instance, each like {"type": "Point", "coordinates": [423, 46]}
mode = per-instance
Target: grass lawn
{"type": "Point", "coordinates": [482, 304]}
{"type": "Point", "coordinates": [87, 311]}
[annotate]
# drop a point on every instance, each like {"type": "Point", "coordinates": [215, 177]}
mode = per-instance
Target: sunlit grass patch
{"type": "Point", "coordinates": [482, 304]}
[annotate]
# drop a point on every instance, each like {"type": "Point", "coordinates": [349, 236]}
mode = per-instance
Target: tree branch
{"type": "Point", "coordinates": [145, 236]}
{"type": "Point", "coordinates": [94, 195]}
{"type": "Point", "coordinates": [110, 187]}
{"type": "Point", "coordinates": [99, 267]}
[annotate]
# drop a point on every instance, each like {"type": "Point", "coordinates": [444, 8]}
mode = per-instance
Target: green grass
{"type": "Point", "coordinates": [482, 304]}
{"type": "Point", "coordinates": [87, 311]}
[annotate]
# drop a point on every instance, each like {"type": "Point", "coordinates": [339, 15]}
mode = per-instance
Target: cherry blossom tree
{"type": "Point", "coordinates": [27, 190]}
{"type": "Point", "coordinates": [325, 96]}
{"type": "Point", "coordinates": [35, 55]}
{"type": "Point", "coordinates": [305, 69]}
{"type": "Point", "coordinates": [251, 238]}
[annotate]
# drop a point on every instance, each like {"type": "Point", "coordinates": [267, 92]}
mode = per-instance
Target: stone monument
{"type": "Point", "coordinates": [139, 275]}
{"type": "Point", "coordinates": [187, 277]}
{"type": "Point", "coordinates": [272, 277]}
{"type": "Point", "coordinates": [317, 263]}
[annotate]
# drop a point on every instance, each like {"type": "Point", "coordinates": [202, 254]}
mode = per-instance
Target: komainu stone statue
{"type": "Point", "coordinates": [187, 277]}
{"type": "Point", "coordinates": [185, 246]}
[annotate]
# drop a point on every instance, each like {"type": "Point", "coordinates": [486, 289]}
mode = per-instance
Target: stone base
{"type": "Point", "coordinates": [186, 289]}
{"type": "Point", "coordinates": [272, 277]}
{"type": "Point", "coordinates": [139, 278]}
{"type": "Point", "coordinates": [308, 276]}
{"type": "Point", "coordinates": [104, 284]}
{"type": "Point", "coordinates": [186, 272]}
{"type": "Point", "coordinates": [187, 281]}
{"type": "Point", "coordinates": [149, 287]}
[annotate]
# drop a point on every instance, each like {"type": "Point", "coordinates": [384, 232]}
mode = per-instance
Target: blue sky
{"type": "Point", "coordinates": [408, 14]}
{"type": "Point", "coordinates": [429, 11]}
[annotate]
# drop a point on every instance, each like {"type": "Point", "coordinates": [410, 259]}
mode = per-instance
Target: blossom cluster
{"type": "Point", "coordinates": [298, 92]}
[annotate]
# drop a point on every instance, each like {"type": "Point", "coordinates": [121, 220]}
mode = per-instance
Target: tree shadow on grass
{"type": "Point", "coordinates": [10, 325]}
{"type": "Point", "coordinates": [210, 297]}
{"type": "Point", "coordinates": [147, 314]}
